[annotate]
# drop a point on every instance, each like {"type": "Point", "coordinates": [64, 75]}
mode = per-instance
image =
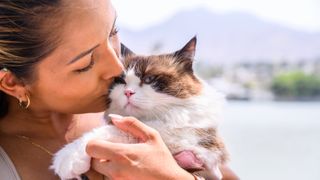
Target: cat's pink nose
{"type": "Point", "coordinates": [129, 92]}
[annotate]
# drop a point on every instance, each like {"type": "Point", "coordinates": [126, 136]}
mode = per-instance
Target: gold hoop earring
{"type": "Point", "coordinates": [24, 104]}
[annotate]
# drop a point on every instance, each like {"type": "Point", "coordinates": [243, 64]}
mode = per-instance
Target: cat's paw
{"type": "Point", "coordinates": [71, 161]}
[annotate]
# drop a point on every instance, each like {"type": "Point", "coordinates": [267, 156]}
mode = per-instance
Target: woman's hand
{"type": "Point", "coordinates": [188, 161]}
{"type": "Point", "coordinates": [148, 160]}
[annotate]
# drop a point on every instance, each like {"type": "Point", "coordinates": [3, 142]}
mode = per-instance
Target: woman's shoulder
{"type": "Point", "coordinates": [7, 169]}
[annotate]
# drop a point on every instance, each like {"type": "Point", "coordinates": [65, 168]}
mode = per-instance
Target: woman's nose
{"type": "Point", "coordinates": [114, 66]}
{"type": "Point", "coordinates": [118, 67]}
{"type": "Point", "coordinates": [129, 92]}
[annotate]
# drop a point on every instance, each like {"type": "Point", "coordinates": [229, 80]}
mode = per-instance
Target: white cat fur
{"type": "Point", "coordinates": [163, 112]}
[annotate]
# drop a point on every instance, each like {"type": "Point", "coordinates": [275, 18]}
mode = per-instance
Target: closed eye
{"type": "Point", "coordinates": [88, 67]}
{"type": "Point", "coordinates": [114, 32]}
{"type": "Point", "coordinates": [119, 80]}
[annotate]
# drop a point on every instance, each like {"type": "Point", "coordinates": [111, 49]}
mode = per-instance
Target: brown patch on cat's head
{"type": "Point", "coordinates": [168, 73]}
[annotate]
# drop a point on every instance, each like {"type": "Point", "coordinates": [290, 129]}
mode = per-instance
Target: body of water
{"type": "Point", "coordinates": [273, 140]}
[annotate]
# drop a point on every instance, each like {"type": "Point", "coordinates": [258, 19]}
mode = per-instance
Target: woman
{"type": "Point", "coordinates": [57, 59]}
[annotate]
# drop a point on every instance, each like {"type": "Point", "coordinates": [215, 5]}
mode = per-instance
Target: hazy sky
{"type": "Point", "coordinates": [298, 14]}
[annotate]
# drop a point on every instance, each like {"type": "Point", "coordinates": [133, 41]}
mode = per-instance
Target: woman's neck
{"type": "Point", "coordinates": [35, 125]}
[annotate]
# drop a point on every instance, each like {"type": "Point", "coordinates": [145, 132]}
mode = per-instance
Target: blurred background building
{"type": "Point", "coordinates": [264, 55]}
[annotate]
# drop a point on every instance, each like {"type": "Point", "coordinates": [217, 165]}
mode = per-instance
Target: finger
{"type": "Point", "coordinates": [101, 167]}
{"type": "Point", "coordinates": [104, 150]}
{"type": "Point", "coordinates": [134, 127]}
{"type": "Point", "coordinates": [187, 160]}
{"type": "Point", "coordinates": [110, 169]}
{"type": "Point", "coordinates": [91, 174]}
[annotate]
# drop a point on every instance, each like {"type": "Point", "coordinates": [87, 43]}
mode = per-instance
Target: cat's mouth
{"type": "Point", "coordinates": [130, 106]}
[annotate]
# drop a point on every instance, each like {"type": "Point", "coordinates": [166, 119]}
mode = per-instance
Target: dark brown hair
{"type": "Point", "coordinates": [27, 35]}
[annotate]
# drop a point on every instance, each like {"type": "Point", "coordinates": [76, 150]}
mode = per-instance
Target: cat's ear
{"type": "Point", "coordinates": [188, 51]}
{"type": "Point", "coordinates": [125, 51]}
{"type": "Point", "coordinates": [186, 55]}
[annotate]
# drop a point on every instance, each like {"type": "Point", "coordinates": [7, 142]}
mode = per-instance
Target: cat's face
{"type": "Point", "coordinates": [153, 84]}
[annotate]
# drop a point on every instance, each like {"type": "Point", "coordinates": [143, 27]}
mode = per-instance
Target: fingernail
{"type": "Point", "coordinates": [102, 160]}
{"type": "Point", "coordinates": [115, 117]}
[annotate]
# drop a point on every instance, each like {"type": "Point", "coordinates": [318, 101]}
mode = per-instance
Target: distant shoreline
{"type": "Point", "coordinates": [297, 99]}
{"type": "Point", "coordinates": [278, 99]}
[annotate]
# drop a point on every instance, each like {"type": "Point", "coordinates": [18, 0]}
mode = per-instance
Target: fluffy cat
{"type": "Point", "coordinates": [163, 92]}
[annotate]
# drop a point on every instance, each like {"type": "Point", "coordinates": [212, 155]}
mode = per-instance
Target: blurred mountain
{"type": "Point", "coordinates": [225, 38]}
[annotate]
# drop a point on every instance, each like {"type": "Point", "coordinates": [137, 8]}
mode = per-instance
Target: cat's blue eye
{"type": "Point", "coordinates": [149, 79]}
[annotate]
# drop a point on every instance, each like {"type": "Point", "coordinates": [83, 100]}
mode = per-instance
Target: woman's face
{"type": "Point", "coordinates": [76, 76]}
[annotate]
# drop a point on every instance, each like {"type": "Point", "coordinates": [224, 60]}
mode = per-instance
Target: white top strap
{"type": "Point", "coordinates": [7, 169]}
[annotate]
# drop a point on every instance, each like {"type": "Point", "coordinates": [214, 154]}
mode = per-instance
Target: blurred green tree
{"type": "Point", "coordinates": [296, 85]}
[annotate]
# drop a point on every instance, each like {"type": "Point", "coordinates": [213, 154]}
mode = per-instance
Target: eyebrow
{"type": "Point", "coordinates": [82, 54]}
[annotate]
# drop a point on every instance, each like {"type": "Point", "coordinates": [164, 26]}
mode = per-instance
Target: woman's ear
{"type": "Point", "coordinates": [11, 85]}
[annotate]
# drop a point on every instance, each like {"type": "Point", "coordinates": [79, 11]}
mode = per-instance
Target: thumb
{"type": "Point", "coordinates": [188, 160]}
{"type": "Point", "coordinates": [134, 127]}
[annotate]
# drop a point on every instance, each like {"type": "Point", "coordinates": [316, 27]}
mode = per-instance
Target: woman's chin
{"type": "Point", "coordinates": [95, 109]}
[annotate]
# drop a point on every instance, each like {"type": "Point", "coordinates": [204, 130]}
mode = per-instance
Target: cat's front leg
{"type": "Point", "coordinates": [72, 160]}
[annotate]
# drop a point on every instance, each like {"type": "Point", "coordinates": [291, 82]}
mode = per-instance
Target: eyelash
{"type": "Point", "coordinates": [87, 67]}
{"type": "Point", "coordinates": [114, 31]}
